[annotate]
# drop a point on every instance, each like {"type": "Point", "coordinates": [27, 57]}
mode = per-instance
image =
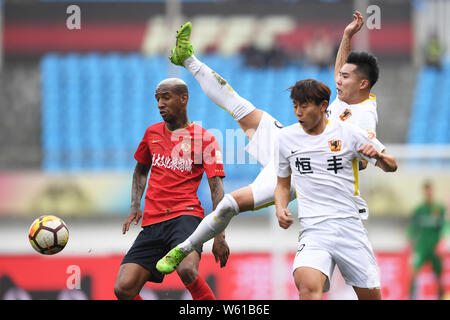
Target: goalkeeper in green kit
{"type": "Point", "coordinates": [425, 231]}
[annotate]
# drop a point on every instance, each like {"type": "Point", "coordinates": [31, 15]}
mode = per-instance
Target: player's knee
{"type": "Point", "coordinates": [188, 268]}
{"type": "Point", "coordinates": [123, 293]}
{"type": "Point", "coordinates": [310, 283]}
{"type": "Point", "coordinates": [227, 210]}
{"type": "Point", "coordinates": [310, 292]}
{"type": "Point", "coordinates": [368, 293]}
{"type": "Point", "coordinates": [228, 206]}
{"type": "Point", "coordinates": [119, 293]}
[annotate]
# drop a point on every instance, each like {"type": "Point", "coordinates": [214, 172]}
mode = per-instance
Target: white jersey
{"type": "Point", "coordinates": [363, 114]}
{"type": "Point", "coordinates": [324, 170]}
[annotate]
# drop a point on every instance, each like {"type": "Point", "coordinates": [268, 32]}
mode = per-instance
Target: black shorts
{"type": "Point", "coordinates": [155, 240]}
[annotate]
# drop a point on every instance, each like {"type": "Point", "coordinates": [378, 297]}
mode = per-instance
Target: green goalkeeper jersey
{"type": "Point", "coordinates": [426, 226]}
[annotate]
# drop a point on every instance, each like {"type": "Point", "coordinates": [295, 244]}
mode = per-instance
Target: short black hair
{"type": "Point", "coordinates": [180, 89]}
{"type": "Point", "coordinates": [310, 90]}
{"type": "Point", "coordinates": [366, 64]}
{"type": "Point", "coordinates": [175, 85]}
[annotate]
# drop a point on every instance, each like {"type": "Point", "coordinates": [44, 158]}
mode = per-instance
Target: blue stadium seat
{"type": "Point", "coordinates": [430, 111]}
{"type": "Point", "coordinates": [96, 107]}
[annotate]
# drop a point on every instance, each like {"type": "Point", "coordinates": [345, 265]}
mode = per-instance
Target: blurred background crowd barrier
{"type": "Point", "coordinates": [76, 100]}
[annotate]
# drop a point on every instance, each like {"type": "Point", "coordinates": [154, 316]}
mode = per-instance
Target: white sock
{"type": "Point", "coordinates": [218, 89]}
{"type": "Point", "coordinates": [212, 225]}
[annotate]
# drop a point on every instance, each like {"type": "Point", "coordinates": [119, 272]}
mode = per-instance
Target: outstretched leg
{"type": "Point", "coordinates": [214, 86]}
{"type": "Point", "coordinates": [257, 195]}
{"type": "Point", "coordinates": [212, 225]}
{"type": "Point", "coordinates": [261, 148]}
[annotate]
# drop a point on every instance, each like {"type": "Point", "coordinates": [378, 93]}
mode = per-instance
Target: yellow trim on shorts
{"type": "Point", "coordinates": [270, 203]}
{"type": "Point", "coordinates": [264, 206]}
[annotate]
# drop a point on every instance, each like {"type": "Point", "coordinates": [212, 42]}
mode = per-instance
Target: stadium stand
{"type": "Point", "coordinates": [238, 33]}
{"type": "Point", "coordinates": [95, 108]}
{"type": "Point", "coordinates": [205, 35]}
{"type": "Point", "coordinates": [269, 27]}
{"type": "Point", "coordinates": [430, 111]}
{"type": "Point", "coordinates": [20, 106]}
{"type": "Point", "coordinates": [93, 97]}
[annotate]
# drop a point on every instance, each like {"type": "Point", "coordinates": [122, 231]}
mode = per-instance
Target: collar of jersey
{"type": "Point", "coordinates": [371, 97]}
{"type": "Point", "coordinates": [190, 125]}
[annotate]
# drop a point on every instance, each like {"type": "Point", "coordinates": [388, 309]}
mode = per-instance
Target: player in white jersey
{"type": "Point", "coordinates": [260, 128]}
{"type": "Point", "coordinates": [321, 158]}
{"type": "Point", "coordinates": [355, 74]}
{"type": "Point", "coordinates": [364, 113]}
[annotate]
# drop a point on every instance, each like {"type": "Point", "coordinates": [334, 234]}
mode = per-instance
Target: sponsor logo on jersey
{"type": "Point", "coordinates": [335, 145]}
{"type": "Point", "coordinates": [175, 163]}
{"type": "Point", "coordinates": [345, 115]}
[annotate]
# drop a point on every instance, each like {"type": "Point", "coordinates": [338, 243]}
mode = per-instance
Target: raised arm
{"type": "Point", "coordinates": [220, 249]}
{"type": "Point", "coordinates": [346, 43]}
{"type": "Point", "coordinates": [137, 190]}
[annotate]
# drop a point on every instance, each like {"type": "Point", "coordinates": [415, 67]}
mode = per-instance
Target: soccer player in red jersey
{"type": "Point", "coordinates": [176, 152]}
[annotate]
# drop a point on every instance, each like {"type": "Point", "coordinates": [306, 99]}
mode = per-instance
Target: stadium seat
{"type": "Point", "coordinates": [430, 111]}
{"type": "Point", "coordinates": [96, 107]}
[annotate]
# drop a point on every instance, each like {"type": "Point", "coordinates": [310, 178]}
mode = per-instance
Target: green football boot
{"type": "Point", "coordinates": [183, 48]}
{"type": "Point", "coordinates": [170, 261]}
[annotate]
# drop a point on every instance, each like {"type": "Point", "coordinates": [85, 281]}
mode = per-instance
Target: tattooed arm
{"type": "Point", "coordinates": [217, 192]}
{"type": "Point", "coordinates": [220, 249]}
{"type": "Point", "coordinates": [137, 190]}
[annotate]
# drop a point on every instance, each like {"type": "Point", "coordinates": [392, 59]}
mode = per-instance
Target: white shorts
{"type": "Point", "coordinates": [342, 242]}
{"type": "Point", "coordinates": [263, 187]}
{"type": "Point", "coordinates": [262, 148]}
{"type": "Point", "coordinates": [262, 145]}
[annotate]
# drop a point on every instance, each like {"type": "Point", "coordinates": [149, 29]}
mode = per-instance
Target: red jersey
{"type": "Point", "coordinates": [178, 159]}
